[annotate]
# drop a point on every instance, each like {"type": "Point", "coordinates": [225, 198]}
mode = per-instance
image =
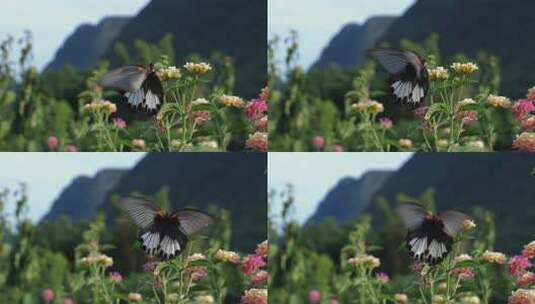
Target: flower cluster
{"type": "Point", "coordinates": [499, 102]}
{"type": "Point", "coordinates": [169, 73]}
{"type": "Point", "coordinates": [106, 106]}
{"type": "Point", "coordinates": [464, 68]}
{"type": "Point", "coordinates": [257, 114]}
{"type": "Point", "coordinates": [255, 296]}
{"type": "Point", "coordinates": [519, 269]}
{"type": "Point", "coordinates": [227, 256]}
{"type": "Point", "coordinates": [232, 101]}
{"type": "Point", "coordinates": [365, 260]}
{"type": "Point", "coordinates": [198, 68]}
{"type": "Point", "coordinates": [438, 73]}
{"type": "Point", "coordinates": [99, 259]}
{"type": "Point", "coordinates": [370, 106]}
{"type": "Point", "coordinates": [494, 257]}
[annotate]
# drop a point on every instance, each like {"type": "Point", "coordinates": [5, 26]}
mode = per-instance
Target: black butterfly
{"type": "Point", "coordinates": [409, 80]}
{"type": "Point", "coordinates": [140, 85]}
{"type": "Point", "coordinates": [430, 237]}
{"type": "Point", "coordinates": [162, 233]}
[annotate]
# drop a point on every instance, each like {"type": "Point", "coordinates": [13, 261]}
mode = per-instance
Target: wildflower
{"type": "Point", "coordinates": [47, 295]}
{"type": "Point", "coordinates": [252, 263]}
{"type": "Point", "coordinates": [259, 278]}
{"type": "Point", "coordinates": [438, 299]}
{"type": "Point", "coordinates": [405, 143]}
{"type": "Point", "coordinates": [52, 142]}
{"type": "Point", "coordinates": [262, 249]}
{"type": "Point", "coordinates": [468, 225]}
{"type": "Point", "coordinates": [371, 106]}
{"type": "Point", "coordinates": [529, 250]}
{"type": "Point", "coordinates": [525, 279]}
{"type": "Point", "coordinates": [197, 273]}
{"type": "Point", "coordinates": [68, 301]}
{"type": "Point", "coordinates": [470, 300]}
{"type": "Point", "coordinates": [314, 296]}
{"type": "Point", "coordinates": [464, 273]}
{"type": "Point", "coordinates": [258, 142]}
{"type": "Point", "coordinates": [494, 257]}
{"type": "Point", "coordinates": [232, 101]}
{"type": "Point", "coordinates": [201, 117]}
{"type": "Point", "coordinates": [499, 102]}
{"type": "Point", "coordinates": [138, 143]}
{"type": "Point", "coordinates": [522, 108]}
{"type": "Point", "coordinates": [119, 123]}
{"type": "Point", "coordinates": [382, 278]}
{"type": "Point", "coordinates": [198, 68]}
{"type": "Point", "coordinates": [209, 145]}
{"type": "Point", "coordinates": [337, 148]}
{"type": "Point", "coordinates": [438, 73]}
{"type": "Point", "coordinates": [256, 109]}
{"type": "Point", "coordinates": [386, 123]}
{"type": "Point", "coordinates": [168, 73]}
{"type": "Point", "coordinates": [462, 258]}
{"type": "Point", "coordinates": [528, 124]}
{"type": "Point", "coordinates": [204, 299]}
{"type": "Point", "coordinates": [465, 102]}
{"type": "Point", "coordinates": [525, 142]}
{"type": "Point", "coordinates": [366, 260]}
{"type": "Point", "coordinates": [518, 265]}
{"type": "Point", "coordinates": [116, 277]}
{"type": "Point", "coordinates": [255, 296]}
{"type": "Point", "coordinates": [531, 94]}
{"type": "Point", "coordinates": [401, 298]}
{"type": "Point", "coordinates": [71, 148]}
{"type": "Point", "coordinates": [261, 124]}
{"type": "Point", "coordinates": [522, 296]}
{"type": "Point", "coordinates": [99, 259]}
{"type": "Point", "coordinates": [135, 297]}
{"type": "Point", "coordinates": [421, 112]}
{"type": "Point", "coordinates": [101, 105]}
{"type": "Point", "coordinates": [464, 68]}
{"type": "Point", "coordinates": [468, 117]}
{"type": "Point", "coordinates": [318, 142]}
{"type": "Point", "coordinates": [199, 101]}
{"type": "Point", "coordinates": [196, 257]}
{"type": "Point", "coordinates": [227, 256]}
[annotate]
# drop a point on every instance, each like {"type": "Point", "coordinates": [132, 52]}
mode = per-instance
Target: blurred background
{"type": "Point", "coordinates": [49, 202]}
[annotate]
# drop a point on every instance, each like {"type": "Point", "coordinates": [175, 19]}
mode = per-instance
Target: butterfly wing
{"type": "Point", "coordinates": [412, 215]}
{"type": "Point", "coordinates": [453, 222]}
{"type": "Point", "coordinates": [392, 60]}
{"type": "Point", "coordinates": [126, 79]}
{"type": "Point", "coordinates": [192, 221]}
{"type": "Point", "coordinates": [153, 92]}
{"type": "Point", "coordinates": [140, 211]}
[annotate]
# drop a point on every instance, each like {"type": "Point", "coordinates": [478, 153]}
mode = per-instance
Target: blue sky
{"type": "Point", "coordinates": [46, 174]}
{"type": "Point", "coordinates": [314, 174]}
{"type": "Point", "coordinates": [318, 20]}
{"type": "Point", "coordinates": [51, 21]}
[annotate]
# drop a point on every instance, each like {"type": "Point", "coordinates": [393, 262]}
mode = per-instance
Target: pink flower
{"type": "Point", "coordinates": [525, 279]}
{"type": "Point", "coordinates": [421, 112]}
{"type": "Point", "coordinates": [258, 142]}
{"type": "Point", "coordinates": [119, 123]}
{"type": "Point", "coordinates": [68, 301]}
{"type": "Point", "coordinates": [531, 94]}
{"type": "Point", "coordinates": [382, 278]}
{"type": "Point", "coordinates": [261, 124]}
{"type": "Point", "coordinates": [259, 278]}
{"type": "Point", "coordinates": [386, 123]}
{"type": "Point", "coordinates": [252, 263]}
{"type": "Point", "coordinates": [464, 273]}
{"type": "Point", "coordinates": [116, 277]}
{"type": "Point", "coordinates": [314, 296]}
{"type": "Point", "coordinates": [318, 142]}
{"type": "Point", "coordinates": [528, 124]}
{"type": "Point", "coordinates": [71, 148]}
{"type": "Point", "coordinates": [47, 295]}
{"type": "Point", "coordinates": [333, 301]}
{"type": "Point", "coordinates": [201, 117]}
{"type": "Point", "coordinates": [468, 117]}
{"type": "Point", "coordinates": [522, 108]}
{"type": "Point", "coordinates": [52, 142]}
{"type": "Point", "coordinates": [337, 148]}
{"type": "Point", "coordinates": [262, 249]}
{"type": "Point", "coordinates": [255, 296]}
{"type": "Point", "coordinates": [197, 273]}
{"type": "Point", "coordinates": [518, 265]}
{"type": "Point", "coordinates": [256, 109]}
{"type": "Point", "coordinates": [525, 142]}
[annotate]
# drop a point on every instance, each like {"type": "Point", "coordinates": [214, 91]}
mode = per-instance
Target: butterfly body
{"type": "Point", "coordinates": [164, 234]}
{"type": "Point", "coordinates": [430, 237]}
{"type": "Point", "coordinates": [409, 79]}
{"type": "Point", "coordinates": [140, 85]}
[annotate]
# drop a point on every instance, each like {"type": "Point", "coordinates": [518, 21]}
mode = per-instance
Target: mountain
{"type": "Point", "coordinates": [86, 45]}
{"type": "Point", "coordinates": [347, 48]}
{"type": "Point", "coordinates": [237, 28]}
{"type": "Point", "coordinates": [84, 195]}
{"type": "Point", "coordinates": [350, 197]}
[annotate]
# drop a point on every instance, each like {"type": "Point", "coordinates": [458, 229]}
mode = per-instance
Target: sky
{"type": "Point", "coordinates": [46, 174]}
{"type": "Point", "coordinates": [52, 21]}
{"type": "Point", "coordinates": [316, 21]}
{"type": "Point", "coordinates": [314, 174]}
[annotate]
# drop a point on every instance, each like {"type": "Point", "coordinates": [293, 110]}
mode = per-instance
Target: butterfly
{"type": "Point", "coordinates": [409, 79]}
{"type": "Point", "coordinates": [161, 233]}
{"type": "Point", "coordinates": [430, 237]}
{"type": "Point", "coordinates": [140, 85]}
